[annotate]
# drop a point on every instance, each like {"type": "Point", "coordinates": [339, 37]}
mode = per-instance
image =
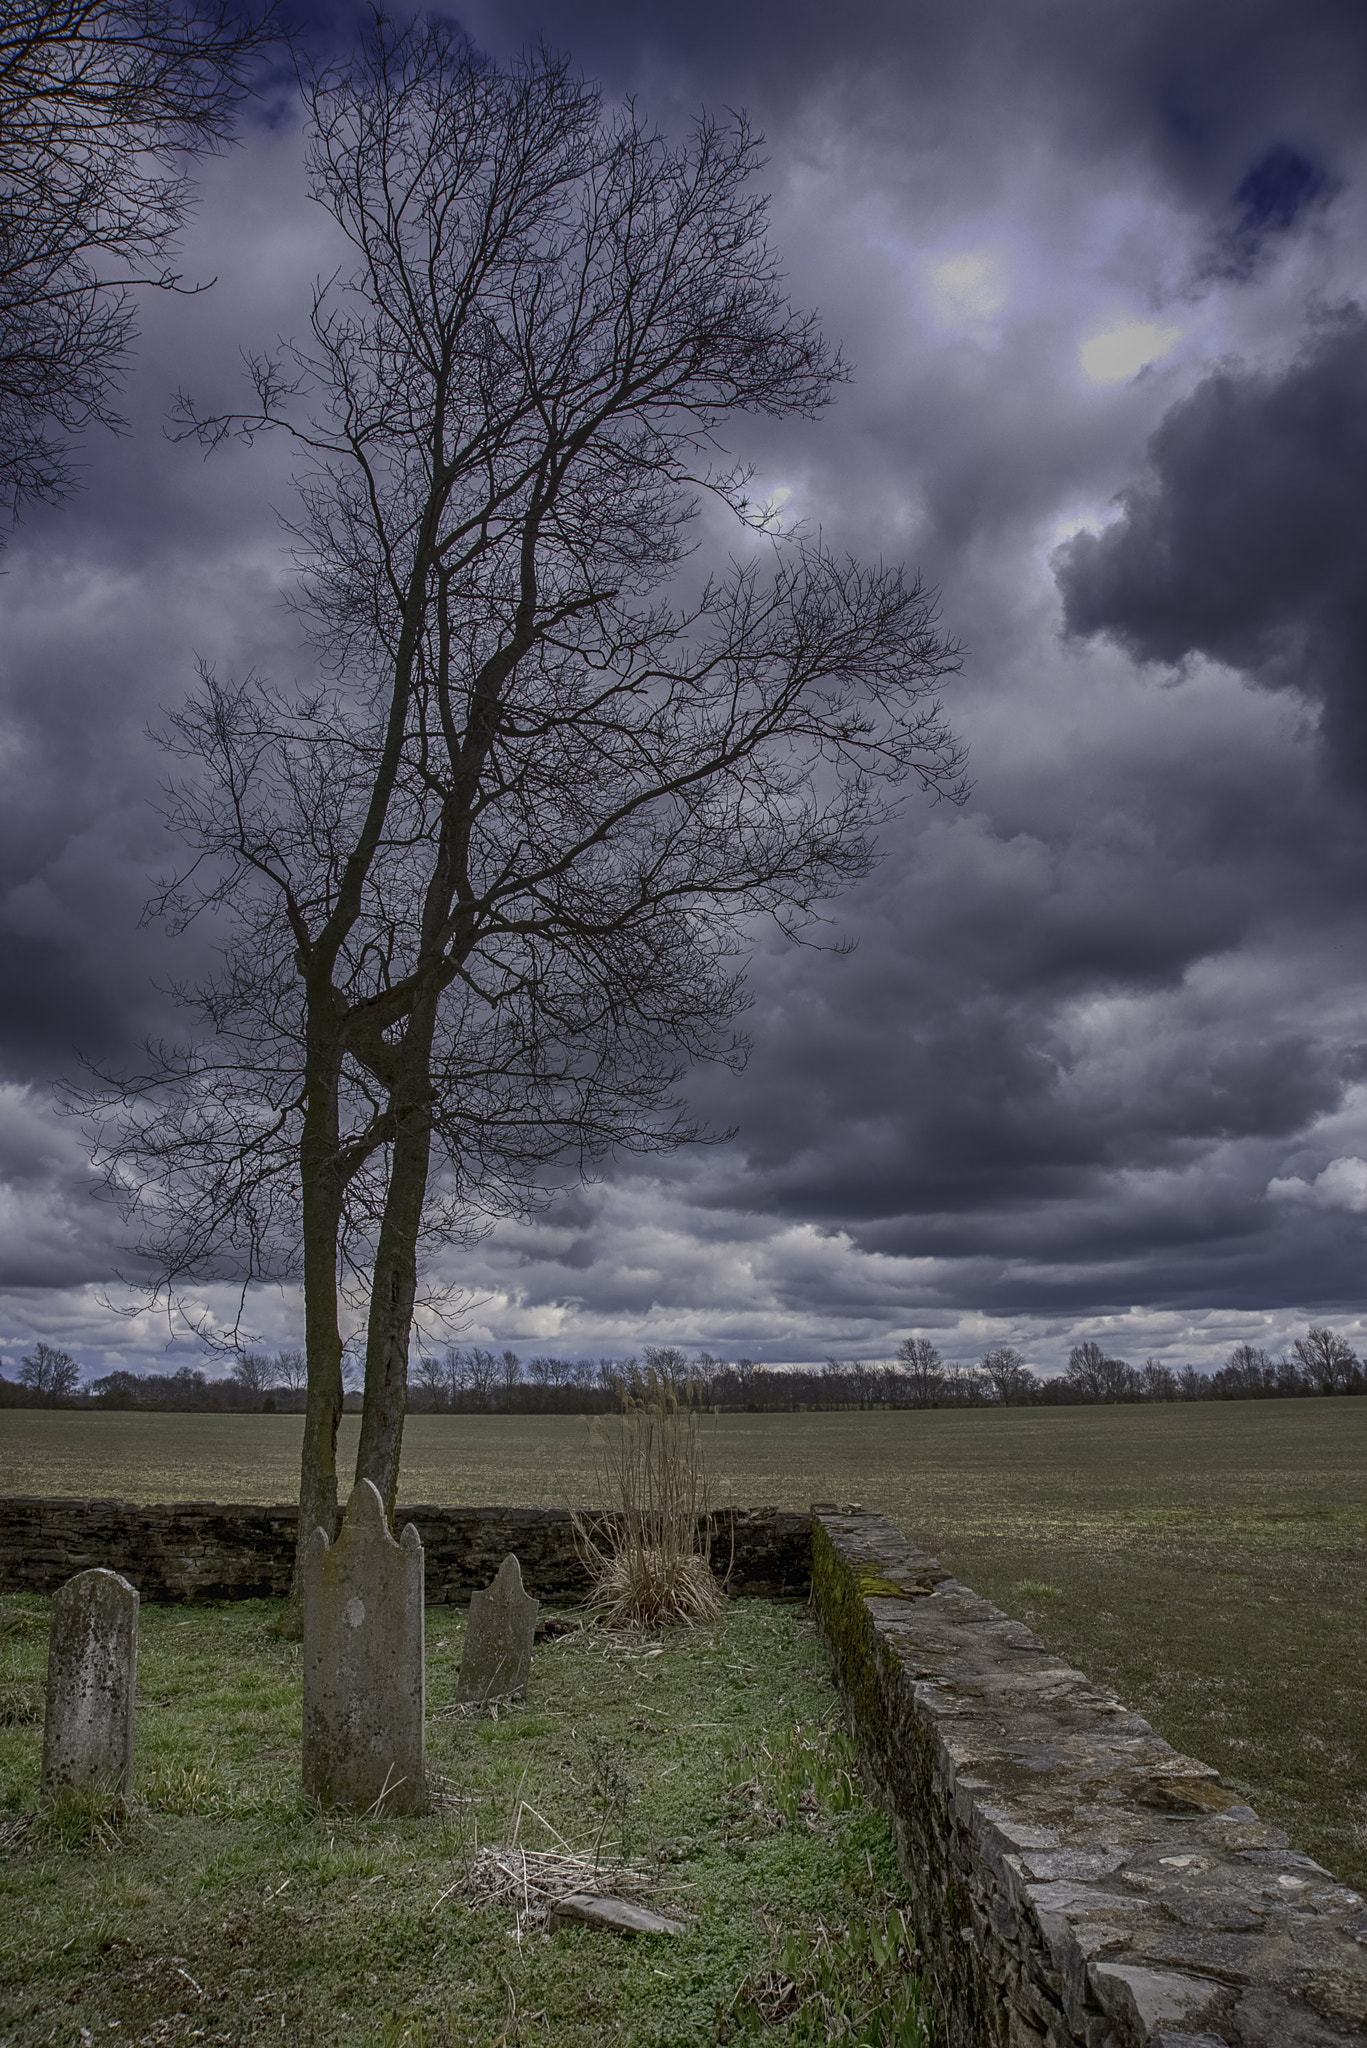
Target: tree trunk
{"type": "Point", "coordinates": [321, 1193]}
{"type": "Point", "coordinates": [395, 1282]}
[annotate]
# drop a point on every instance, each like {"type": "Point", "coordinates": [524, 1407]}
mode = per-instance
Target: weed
{"type": "Point", "coordinates": [183, 1788]}
{"type": "Point", "coordinates": [649, 1552]}
{"type": "Point", "coordinates": [852, 1984]}
{"type": "Point", "coordinates": [79, 1818]}
{"type": "Point", "coordinates": [19, 1707]}
{"type": "Point", "coordinates": [612, 1791]}
{"type": "Point", "coordinates": [20, 1617]}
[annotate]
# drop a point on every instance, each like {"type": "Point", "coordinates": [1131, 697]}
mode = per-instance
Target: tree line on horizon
{"type": "Point", "coordinates": [475, 1380]}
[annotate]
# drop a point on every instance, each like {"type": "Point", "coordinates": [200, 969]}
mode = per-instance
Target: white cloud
{"type": "Point", "coordinates": [1116, 353]}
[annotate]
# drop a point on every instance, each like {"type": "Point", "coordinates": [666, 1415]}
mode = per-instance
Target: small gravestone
{"type": "Point", "coordinates": [497, 1660]}
{"type": "Point", "coordinates": [363, 1663]}
{"type": "Point", "coordinates": [92, 1671]}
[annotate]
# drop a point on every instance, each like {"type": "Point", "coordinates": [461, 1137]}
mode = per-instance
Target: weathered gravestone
{"type": "Point", "coordinates": [92, 1672]}
{"type": "Point", "coordinates": [496, 1662]}
{"type": "Point", "coordinates": [363, 1663]}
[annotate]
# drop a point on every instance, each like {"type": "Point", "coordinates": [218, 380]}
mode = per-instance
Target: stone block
{"type": "Point", "coordinates": [92, 1669]}
{"type": "Point", "coordinates": [364, 1697]}
{"type": "Point", "coordinates": [621, 1916]}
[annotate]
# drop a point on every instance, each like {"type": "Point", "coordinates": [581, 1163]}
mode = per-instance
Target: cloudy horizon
{"type": "Point", "coordinates": [1085, 1057]}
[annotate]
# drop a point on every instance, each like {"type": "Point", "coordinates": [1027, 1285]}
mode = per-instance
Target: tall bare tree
{"type": "Point", "coordinates": [923, 1370]}
{"type": "Point", "coordinates": [1326, 1358]}
{"type": "Point", "coordinates": [493, 881]}
{"type": "Point", "coordinates": [101, 103]}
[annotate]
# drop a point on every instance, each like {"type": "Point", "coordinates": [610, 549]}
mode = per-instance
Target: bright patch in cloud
{"type": "Point", "coordinates": [1123, 349]}
{"type": "Point", "coordinates": [1342, 1185]}
{"type": "Point", "coordinates": [968, 287]}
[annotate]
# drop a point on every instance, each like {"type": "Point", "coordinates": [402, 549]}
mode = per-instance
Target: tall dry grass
{"type": "Point", "coordinates": [649, 1548]}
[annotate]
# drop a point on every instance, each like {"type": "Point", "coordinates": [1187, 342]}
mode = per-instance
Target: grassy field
{"type": "Point", "coordinates": [1209, 1561]}
{"type": "Point", "coordinates": [223, 1909]}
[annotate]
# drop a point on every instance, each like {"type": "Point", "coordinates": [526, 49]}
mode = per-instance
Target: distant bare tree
{"type": "Point", "coordinates": [1098, 1377]}
{"type": "Point", "coordinates": [53, 1374]}
{"type": "Point", "coordinates": [1006, 1372]}
{"type": "Point", "coordinates": [430, 1373]}
{"type": "Point", "coordinates": [510, 1367]}
{"type": "Point", "coordinates": [1327, 1359]}
{"type": "Point", "coordinates": [1157, 1381]}
{"type": "Point", "coordinates": [670, 1365]}
{"type": "Point", "coordinates": [480, 1371]}
{"type": "Point", "coordinates": [1291, 1379]}
{"type": "Point", "coordinates": [291, 1371]}
{"type": "Point", "coordinates": [253, 1372]}
{"type": "Point", "coordinates": [923, 1369]}
{"type": "Point", "coordinates": [101, 102]}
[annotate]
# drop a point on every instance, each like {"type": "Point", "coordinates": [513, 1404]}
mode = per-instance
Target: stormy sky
{"type": "Point", "coordinates": [1096, 1060]}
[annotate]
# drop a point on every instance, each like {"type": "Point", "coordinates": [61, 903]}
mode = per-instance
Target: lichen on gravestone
{"type": "Point", "coordinates": [364, 1692]}
{"type": "Point", "coordinates": [496, 1663]}
{"type": "Point", "coordinates": [92, 1669]}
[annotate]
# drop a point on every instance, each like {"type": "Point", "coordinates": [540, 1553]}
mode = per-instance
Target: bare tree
{"type": "Point", "coordinates": [670, 1366]}
{"type": "Point", "coordinates": [101, 101]}
{"type": "Point", "coordinates": [491, 884]}
{"type": "Point", "coordinates": [51, 1373]}
{"type": "Point", "coordinates": [1097, 1377]}
{"type": "Point", "coordinates": [923, 1370]}
{"type": "Point", "coordinates": [510, 1371]}
{"type": "Point", "coordinates": [430, 1372]}
{"type": "Point", "coordinates": [1327, 1359]}
{"type": "Point", "coordinates": [291, 1370]}
{"type": "Point", "coordinates": [479, 1375]}
{"type": "Point", "coordinates": [253, 1372]}
{"type": "Point", "coordinates": [1006, 1372]}
{"type": "Point", "coordinates": [1158, 1381]}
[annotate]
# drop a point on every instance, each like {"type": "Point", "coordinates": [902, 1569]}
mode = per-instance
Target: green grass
{"type": "Point", "coordinates": [223, 1909]}
{"type": "Point", "coordinates": [1209, 1561]}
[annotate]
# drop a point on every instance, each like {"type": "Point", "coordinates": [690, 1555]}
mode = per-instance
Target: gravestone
{"type": "Point", "coordinates": [92, 1671]}
{"type": "Point", "coordinates": [496, 1662]}
{"type": "Point", "coordinates": [363, 1663]}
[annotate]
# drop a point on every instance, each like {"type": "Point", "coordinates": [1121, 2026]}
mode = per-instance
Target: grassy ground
{"type": "Point", "coordinates": [223, 1910]}
{"type": "Point", "coordinates": [1210, 1560]}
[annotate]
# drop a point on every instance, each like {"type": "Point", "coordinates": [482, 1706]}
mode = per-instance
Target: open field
{"type": "Point", "coordinates": [224, 1909]}
{"type": "Point", "coordinates": [1208, 1560]}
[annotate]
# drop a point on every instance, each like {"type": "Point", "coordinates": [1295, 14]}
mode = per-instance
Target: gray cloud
{"type": "Point", "coordinates": [1243, 539]}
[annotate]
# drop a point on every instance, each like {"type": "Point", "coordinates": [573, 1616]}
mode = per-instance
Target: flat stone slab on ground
{"type": "Point", "coordinates": [622, 1916]}
{"type": "Point", "coordinates": [364, 1697]}
{"type": "Point", "coordinates": [92, 1672]}
{"type": "Point", "coordinates": [496, 1663]}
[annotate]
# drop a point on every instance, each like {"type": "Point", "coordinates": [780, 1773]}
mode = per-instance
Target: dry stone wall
{"type": "Point", "coordinates": [1077, 1883]}
{"type": "Point", "coordinates": [199, 1550]}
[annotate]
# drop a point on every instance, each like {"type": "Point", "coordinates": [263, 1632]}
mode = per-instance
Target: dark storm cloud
{"type": "Point", "coordinates": [1243, 539]}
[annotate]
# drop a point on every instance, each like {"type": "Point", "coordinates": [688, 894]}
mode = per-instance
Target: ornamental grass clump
{"type": "Point", "coordinates": [649, 1550]}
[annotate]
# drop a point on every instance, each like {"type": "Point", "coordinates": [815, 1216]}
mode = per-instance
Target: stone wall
{"type": "Point", "coordinates": [1076, 1882]}
{"type": "Point", "coordinates": [199, 1550]}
